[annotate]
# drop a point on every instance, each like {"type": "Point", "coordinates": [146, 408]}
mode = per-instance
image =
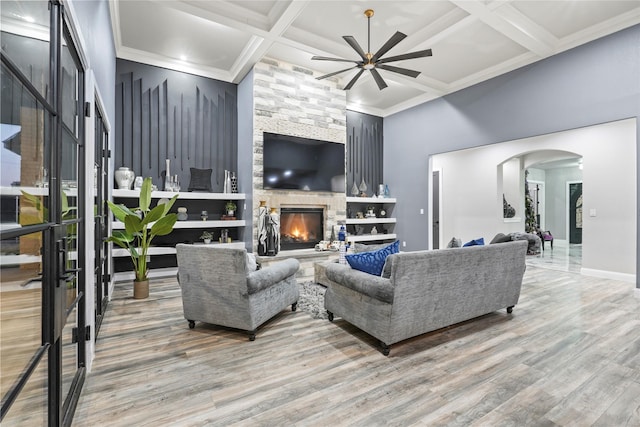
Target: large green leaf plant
{"type": "Point", "coordinates": [142, 224]}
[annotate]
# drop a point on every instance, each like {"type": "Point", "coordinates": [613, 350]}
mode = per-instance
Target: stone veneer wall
{"type": "Point", "coordinates": [288, 100]}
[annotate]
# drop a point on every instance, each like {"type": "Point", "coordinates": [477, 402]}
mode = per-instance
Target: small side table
{"type": "Point", "coordinates": [320, 272]}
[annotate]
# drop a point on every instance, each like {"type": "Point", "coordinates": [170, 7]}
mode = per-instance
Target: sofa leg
{"type": "Point", "coordinates": [294, 306]}
{"type": "Point", "coordinates": [510, 309]}
{"type": "Point", "coordinates": [192, 324]}
{"type": "Point", "coordinates": [330, 316]}
{"type": "Point", "coordinates": [252, 335]}
{"type": "Point", "coordinates": [385, 348]}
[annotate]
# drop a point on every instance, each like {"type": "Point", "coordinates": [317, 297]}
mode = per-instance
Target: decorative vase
{"type": "Point", "coordinates": [234, 182]}
{"type": "Point", "coordinates": [137, 183]}
{"type": "Point", "coordinates": [124, 178]}
{"type": "Point", "coordinates": [227, 182]}
{"type": "Point", "coordinates": [354, 190]}
{"type": "Point", "coordinates": [204, 215]}
{"type": "Point", "coordinates": [141, 289]}
{"type": "Point", "coordinates": [262, 228]}
{"type": "Point", "coordinates": [167, 176]}
{"type": "Point", "coordinates": [273, 233]}
{"type": "Point", "coordinates": [182, 214]}
{"type": "Point", "coordinates": [363, 188]}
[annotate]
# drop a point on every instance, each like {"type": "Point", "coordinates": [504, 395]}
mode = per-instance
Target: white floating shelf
{"type": "Point", "coordinates": [166, 250]}
{"type": "Point", "coordinates": [370, 237]}
{"type": "Point", "coordinates": [370, 200]}
{"type": "Point", "coordinates": [117, 225]}
{"type": "Point", "coordinates": [182, 195]}
{"type": "Point", "coordinates": [35, 191]}
{"type": "Point", "coordinates": [371, 221]}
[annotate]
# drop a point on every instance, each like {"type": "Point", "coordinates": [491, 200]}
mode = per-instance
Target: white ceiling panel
{"type": "Point", "coordinates": [472, 41]}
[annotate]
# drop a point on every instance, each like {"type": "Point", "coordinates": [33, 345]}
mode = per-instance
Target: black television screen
{"type": "Point", "coordinates": [293, 163]}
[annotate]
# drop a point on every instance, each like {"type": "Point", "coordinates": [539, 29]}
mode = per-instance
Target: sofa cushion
{"type": "Point", "coordinates": [454, 243]}
{"type": "Point", "coordinates": [475, 242]}
{"type": "Point", "coordinates": [372, 262]}
{"type": "Point", "coordinates": [500, 238]}
{"type": "Point", "coordinates": [252, 264]}
{"type": "Point", "coordinates": [361, 247]}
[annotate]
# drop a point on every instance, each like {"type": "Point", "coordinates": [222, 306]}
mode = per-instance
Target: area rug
{"type": "Point", "coordinates": [311, 299]}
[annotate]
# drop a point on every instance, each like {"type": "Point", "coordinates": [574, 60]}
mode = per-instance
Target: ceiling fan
{"type": "Point", "coordinates": [371, 61]}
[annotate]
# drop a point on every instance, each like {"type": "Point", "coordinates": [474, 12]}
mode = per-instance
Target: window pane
{"type": "Point", "coordinates": [69, 91]}
{"type": "Point", "coordinates": [23, 177]}
{"type": "Point", "coordinates": [30, 408]}
{"type": "Point", "coordinates": [21, 308]}
{"type": "Point", "coordinates": [25, 39]}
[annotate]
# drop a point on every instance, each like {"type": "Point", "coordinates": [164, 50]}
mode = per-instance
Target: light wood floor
{"type": "Point", "coordinates": [568, 356]}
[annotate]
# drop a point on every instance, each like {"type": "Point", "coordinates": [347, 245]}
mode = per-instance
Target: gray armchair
{"type": "Point", "coordinates": [218, 288]}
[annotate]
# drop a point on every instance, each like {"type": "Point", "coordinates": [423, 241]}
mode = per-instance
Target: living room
{"type": "Point", "coordinates": [511, 369]}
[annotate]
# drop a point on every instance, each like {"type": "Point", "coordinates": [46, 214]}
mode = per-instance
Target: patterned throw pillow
{"type": "Point", "coordinates": [475, 242]}
{"type": "Point", "coordinates": [372, 262]}
{"type": "Point", "coordinates": [454, 243]}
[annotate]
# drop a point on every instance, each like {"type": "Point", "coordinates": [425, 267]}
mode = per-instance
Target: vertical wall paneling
{"type": "Point", "coordinates": [164, 114]}
{"type": "Point", "coordinates": [364, 151]}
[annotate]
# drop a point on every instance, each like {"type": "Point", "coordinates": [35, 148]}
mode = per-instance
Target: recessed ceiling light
{"type": "Point", "coordinates": [183, 57]}
{"type": "Point", "coordinates": [29, 19]}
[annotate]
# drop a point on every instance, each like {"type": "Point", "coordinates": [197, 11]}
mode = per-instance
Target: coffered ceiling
{"type": "Point", "coordinates": [472, 41]}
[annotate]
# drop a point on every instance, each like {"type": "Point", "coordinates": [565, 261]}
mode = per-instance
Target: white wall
{"type": "Point", "coordinates": [472, 206]}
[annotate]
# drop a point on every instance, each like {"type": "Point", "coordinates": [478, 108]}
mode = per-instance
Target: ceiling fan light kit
{"type": "Point", "coordinates": [373, 62]}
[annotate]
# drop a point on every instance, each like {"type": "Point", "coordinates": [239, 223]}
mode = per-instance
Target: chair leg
{"type": "Point", "coordinates": [330, 316]}
{"type": "Point", "coordinates": [252, 335]}
{"type": "Point", "coordinates": [385, 348]}
{"type": "Point", "coordinates": [294, 306]}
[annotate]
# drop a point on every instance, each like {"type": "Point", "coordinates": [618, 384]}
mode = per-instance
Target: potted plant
{"type": "Point", "coordinates": [142, 224]}
{"type": "Point", "coordinates": [230, 207]}
{"type": "Point", "coordinates": [206, 236]}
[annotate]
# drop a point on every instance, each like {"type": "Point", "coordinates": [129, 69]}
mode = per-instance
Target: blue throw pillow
{"type": "Point", "coordinates": [475, 242]}
{"type": "Point", "coordinates": [372, 262]}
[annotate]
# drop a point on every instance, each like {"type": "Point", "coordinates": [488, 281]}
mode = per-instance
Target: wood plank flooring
{"type": "Point", "coordinates": [569, 355]}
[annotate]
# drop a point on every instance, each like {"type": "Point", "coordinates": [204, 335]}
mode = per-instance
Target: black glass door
{"type": "Point", "coordinates": [42, 330]}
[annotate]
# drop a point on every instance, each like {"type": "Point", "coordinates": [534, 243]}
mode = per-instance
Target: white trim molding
{"type": "Point", "coordinates": [613, 275]}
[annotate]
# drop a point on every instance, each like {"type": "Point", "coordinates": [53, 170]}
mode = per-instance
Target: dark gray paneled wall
{"type": "Point", "coordinates": [364, 151]}
{"type": "Point", "coordinates": [591, 84]}
{"type": "Point", "coordinates": [245, 154]}
{"type": "Point", "coordinates": [188, 119]}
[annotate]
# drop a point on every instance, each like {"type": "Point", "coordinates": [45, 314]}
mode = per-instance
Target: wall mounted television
{"type": "Point", "coordinates": [294, 163]}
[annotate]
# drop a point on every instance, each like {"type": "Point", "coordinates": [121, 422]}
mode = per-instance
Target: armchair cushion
{"type": "Point", "coordinates": [364, 283]}
{"type": "Point", "coordinates": [269, 276]}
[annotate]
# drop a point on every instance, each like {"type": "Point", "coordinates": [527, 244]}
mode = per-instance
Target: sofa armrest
{"type": "Point", "coordinates": [269, 276]}
{"type": "Point", "coordinates": [374, 286]}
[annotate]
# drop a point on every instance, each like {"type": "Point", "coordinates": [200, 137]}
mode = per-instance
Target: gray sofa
{"type": "Point", "coordinates": [219, 287]}
{"type": "Point", "coordinates": [427, 290]}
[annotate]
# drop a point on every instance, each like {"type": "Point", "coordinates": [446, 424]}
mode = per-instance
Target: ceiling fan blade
{"type": "Point", "coordinates": [403, 71]}
{"type": "Point", "coordinates": [356, 46]}
{"type": "Point", "coordinates": [378, 78]}
{"type": "Point", "coordinates": [394, 40]}
{"type": "Point", "coordinates": [324, 58]}
{"type": "Point", "coordinates": [353, 80]}
{"type": "Point", "coordinates": [410, 55]}
{"type": "Point", "coordinates": [334, 73]}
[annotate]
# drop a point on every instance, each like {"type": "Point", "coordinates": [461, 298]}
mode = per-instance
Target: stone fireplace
{"type": "Point", "coordinates": [300, 227]}
{"type": "Point", "coordinates": [288, 100]}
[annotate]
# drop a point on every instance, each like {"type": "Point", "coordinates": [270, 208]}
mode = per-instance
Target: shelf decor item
{"type": "Point", "coordinates": [234, 182]}
{"type": "Point", "coordinates": [363, 188]}
{"type": "Point", "coordinates": [227, 182]}
{"type": "Point", "coordinates": [206, 237]}
{"type": "Point", "coordinates": [273, 233]}
{"type": "Point", "coordinates": [142, 224]}
{"type": "Point", "coordinates": [182, 214]}
{"type": "Point", "coordinates": [124, 178]}
{"type": "Point", "coordinates": [230, 207]}
{"type": "Point", "coordinates": [262, 228]}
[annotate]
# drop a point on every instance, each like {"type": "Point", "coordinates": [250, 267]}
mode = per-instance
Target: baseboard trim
{"type": "Point", "coordinates": [636, 293]}
{"type": "Point", "coordinates": [613, 275]}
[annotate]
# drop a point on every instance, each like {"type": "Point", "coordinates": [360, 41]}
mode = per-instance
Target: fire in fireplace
{"type": "Point", "coordinates": [300, 227]}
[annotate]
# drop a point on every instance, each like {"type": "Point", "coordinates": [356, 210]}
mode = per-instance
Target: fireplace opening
{"type": "Point", "coordinates": [300, 228]}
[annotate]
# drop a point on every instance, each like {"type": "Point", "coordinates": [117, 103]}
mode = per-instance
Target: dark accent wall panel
{"type": "Point", "coordinates": [188, 119]}
{"type": "Point", "coordinates": [364, 151]}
